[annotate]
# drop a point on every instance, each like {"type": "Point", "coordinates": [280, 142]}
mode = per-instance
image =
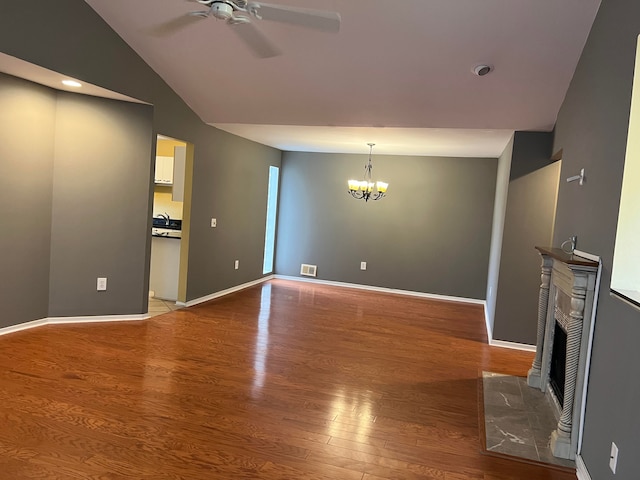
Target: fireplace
{"type": "Point", "coordinates": [563, 340]}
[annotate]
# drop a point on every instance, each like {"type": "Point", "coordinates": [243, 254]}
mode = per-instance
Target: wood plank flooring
{"type": "Point", "coordinates": [285, 380]}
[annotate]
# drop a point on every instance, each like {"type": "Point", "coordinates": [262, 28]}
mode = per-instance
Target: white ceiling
{"type": "Point", "coordinates": [395, 71]}
{"type": "Point", "coordinates": [388, 141]}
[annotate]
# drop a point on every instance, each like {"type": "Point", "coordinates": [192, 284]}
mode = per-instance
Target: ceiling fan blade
{"type": "Point", "coordinates": [304, 17]}
{"type": "Point", "coordinates": [175, 25]}
{"type": "Point", "coordinates": [260, 45]}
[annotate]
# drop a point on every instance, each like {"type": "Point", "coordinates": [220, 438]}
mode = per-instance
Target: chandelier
{"type": "Point", "coordinates": [367, 189]}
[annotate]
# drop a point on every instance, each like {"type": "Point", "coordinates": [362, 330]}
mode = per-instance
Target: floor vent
{"type": "Point", "coordinates": [308, 270]}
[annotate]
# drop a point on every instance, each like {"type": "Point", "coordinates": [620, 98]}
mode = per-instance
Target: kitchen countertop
{"type": "Point", "coordinates": [166, 233]}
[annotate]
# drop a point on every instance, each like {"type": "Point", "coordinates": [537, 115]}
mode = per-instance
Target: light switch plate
{"type": "Point", "coordinates": [102, 284]}
{"type": "Point", "coordinates": [214, 223]}
{"type": "Point", "coordinates": [363, 265]}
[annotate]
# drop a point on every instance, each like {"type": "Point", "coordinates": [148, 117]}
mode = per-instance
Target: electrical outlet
{"type": "Point", "coordinates": [237, 264]}
{"type": "Point", "coordinates": [102, 284]}
{"type": "Point", "coordinates": [613, 459]}
{"type": "Point", "coordinates": [214, 223]}
{"type": "Point", "coordinates": [363, 265]}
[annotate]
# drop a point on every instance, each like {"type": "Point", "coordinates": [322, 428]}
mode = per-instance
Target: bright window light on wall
{"type": "Point", "coordinates": [625, 277]}
{"type": "Point", "coordinates": [270, 234]}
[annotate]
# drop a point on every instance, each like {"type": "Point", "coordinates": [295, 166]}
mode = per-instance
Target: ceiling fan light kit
{"type": "Point", "coordinates": [221, 10]}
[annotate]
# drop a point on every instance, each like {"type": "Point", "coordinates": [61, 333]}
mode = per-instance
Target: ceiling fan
{"type": "Point", "coordinates": [240, 15]}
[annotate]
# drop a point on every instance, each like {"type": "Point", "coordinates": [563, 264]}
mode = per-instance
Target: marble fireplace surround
{"type": "Point", "coordinates": [567, 292]}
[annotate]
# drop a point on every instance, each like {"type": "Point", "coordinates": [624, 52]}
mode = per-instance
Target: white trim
{"type": "Point", "coordinates": [23, 326]}
{"type": "Point", "coordinates": [588, 256]}
{"type": "Point", "coordinates": [513, 345]}
{"type": "Point", "coordinates": [69, 320]}
{"type": "Point", "coordinates": [581, 469]}
{"type": "Point", "coordinates": [222, 293]}
{"type": "Point", "coordinates": [120, 318]}
{"type": "Point", "coordinates": [587, 365]}
{"type": "Point", "coordinates": [394, 291]}
{"type": "Point", "coordinates": [97, 319]}
{"type": "Point", "coordinates": [431, 296]}
{"type": "Point", "coordinates": [487, 322]}
{"type": "Point", "coordinates": [626, 296]}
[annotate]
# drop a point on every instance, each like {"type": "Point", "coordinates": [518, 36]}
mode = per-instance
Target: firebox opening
{"type": "Point", "coordinates": [558, 363]}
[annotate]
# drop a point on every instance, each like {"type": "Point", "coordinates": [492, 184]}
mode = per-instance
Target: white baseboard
{"type": "Point", "coordinates": [432, 296]}
{"type": "Point", "coordinates": [513, 345]}
{"type": "Point", "coordinates": [23, 326]}
{"type": "Point", "coordinates": [70, 320]}
{"type": "Point", "coordinates": [118, 318]}
{"type": "Point", "coordinates": [97, 319]}
{"type": "Point", "coordinates": [581, 469]}
{"type": "Point", "coordinates": [394, 291]}
{"type": "Point", "coordinates": [222, 293]}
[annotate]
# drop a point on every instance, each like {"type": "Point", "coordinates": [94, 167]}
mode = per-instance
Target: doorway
{"type": "Point", "coordinates": [170, 224]}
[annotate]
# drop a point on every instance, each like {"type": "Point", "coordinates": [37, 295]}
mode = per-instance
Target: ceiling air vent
{"type": "Point", "coordinates": [308, 270]}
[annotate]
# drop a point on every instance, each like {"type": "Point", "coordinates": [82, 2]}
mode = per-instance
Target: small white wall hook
{"type": "Point", "coordinates": [580, 177]}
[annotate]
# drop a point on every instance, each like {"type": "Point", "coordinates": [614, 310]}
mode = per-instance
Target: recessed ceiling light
{"type": "Point", "coordinates": [71, 83]}
{"type": "Point", "coordinates": [482, 70]}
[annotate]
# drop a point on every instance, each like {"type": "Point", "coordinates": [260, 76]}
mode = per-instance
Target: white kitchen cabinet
{"type": "Point", "coordinates": [179, 162]}
{"type": "Point", "coordinates": [165, 267]}
{"type": "Point", "coordinates": [164, 170]}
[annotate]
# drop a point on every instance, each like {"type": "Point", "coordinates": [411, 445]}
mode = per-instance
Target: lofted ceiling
{"type": "Point", "coordinates": [398, 74]}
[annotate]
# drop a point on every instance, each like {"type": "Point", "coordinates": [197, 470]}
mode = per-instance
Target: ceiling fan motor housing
{"type": "Point", "coordinates": [221, 10]}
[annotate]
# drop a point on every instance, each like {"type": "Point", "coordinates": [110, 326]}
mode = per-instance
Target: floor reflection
{"type": "Point", "coordinates": [357, 407]}
{"type": "Point", "coordinates": [262, 341]}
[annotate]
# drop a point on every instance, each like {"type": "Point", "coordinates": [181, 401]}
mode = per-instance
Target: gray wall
{"type": "Point", "coordinates": [69, 37]}
{"type": "Point", "coordinates": [531, 152]}
{"type": "Point", "coordinates": [27, 122]}
{"type": "Point", "coordinates": [231, 187]}
{"type": "Point", "coordinates": [430, 234]}
{"type": "Point", "coordinates": [77, 174]}
{"type": "Point", "coordinates": [101, 206]}
{"type": "Point", "coordinates": [592, 131]}
{"type": "Point", "coordinates": [531, 206]}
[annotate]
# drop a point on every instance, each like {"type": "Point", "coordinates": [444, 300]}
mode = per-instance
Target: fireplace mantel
{"type": "Point", "coordinates": [570, 282]}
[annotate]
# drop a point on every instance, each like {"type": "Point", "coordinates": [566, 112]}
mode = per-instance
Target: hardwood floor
{"type": "Point", "coordinates": [285, 380]}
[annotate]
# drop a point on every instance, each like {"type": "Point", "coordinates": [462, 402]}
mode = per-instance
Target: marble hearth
{"type": "Point", "coordinates": [567, 293]}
